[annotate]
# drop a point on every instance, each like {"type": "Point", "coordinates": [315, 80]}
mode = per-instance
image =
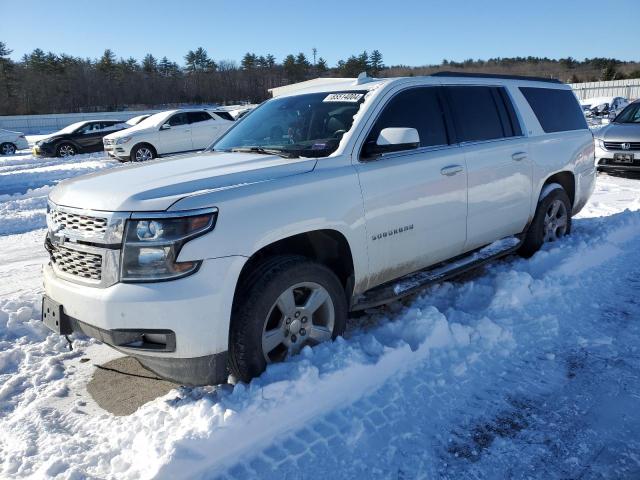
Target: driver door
{"type": "Point", "coordinates": [89, 137]}
{"type": "Point", "coordinates": [175, 134]}
{"type": "Point", "coordinates": [415, 201]}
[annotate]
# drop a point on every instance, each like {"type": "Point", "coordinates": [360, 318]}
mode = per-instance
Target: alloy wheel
{"type": "Point", "coordinates": [8, 149]}
{"type": "Point", "coordinates": [67, 151]}
{"type": "Point", "coordinates": [143, 154]}
{"type": "Point", "coordinates": [303, 314]}
{"type": "Point", "coordinates": [555, 221]}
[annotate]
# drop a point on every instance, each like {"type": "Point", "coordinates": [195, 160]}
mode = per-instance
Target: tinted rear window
{"type": "Point", "coordinates": [556, 110]}
{"type": "Point", "coordinates": [195, 117]}
{"type": "Point", "coordinates": [478, 113]}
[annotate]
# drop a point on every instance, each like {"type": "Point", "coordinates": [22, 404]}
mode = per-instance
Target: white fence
{"type": "Point", "coordinates": [33, 124]}
{"type": "Point", "coordinates": [614, 88]}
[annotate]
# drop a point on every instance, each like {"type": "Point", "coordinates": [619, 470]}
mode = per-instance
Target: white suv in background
{"type": "Point", "coordinates": [164, 133]}
{"type": "Point", "coordinates": [11, 141]}
{"type": "Point", "coordinates": [325, 200]}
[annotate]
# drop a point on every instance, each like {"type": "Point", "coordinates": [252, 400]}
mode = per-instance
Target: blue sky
{"type": "Point", "coordinates": [410, 32]}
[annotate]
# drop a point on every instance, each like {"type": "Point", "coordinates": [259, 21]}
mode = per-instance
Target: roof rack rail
{"type": "Point", "coordinates": [494, 75]}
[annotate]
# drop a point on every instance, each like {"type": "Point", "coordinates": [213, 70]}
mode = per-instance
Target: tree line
{"type": "Point", "coordinates": [46, 82]}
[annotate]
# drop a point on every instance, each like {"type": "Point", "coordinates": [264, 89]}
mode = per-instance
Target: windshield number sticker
{"type": "Point", "coordinates": [343, 97]}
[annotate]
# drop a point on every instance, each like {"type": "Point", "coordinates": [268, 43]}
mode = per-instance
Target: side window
{"type": "Point", "coordinates": [195, 117]}
{"type": "Point", "coordinates": [89, 128]}
{"type": "Point", "coordinates": [476, 113]}
{"type": "Point", "coordinates": [418, 108]}
{"type": "Point", "coordinates": [557, 110]}
{"type": "Point", "coordinates": [178, 119]}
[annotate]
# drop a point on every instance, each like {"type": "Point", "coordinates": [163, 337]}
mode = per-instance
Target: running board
{"type": "Point", "coordinates": [416, 281]}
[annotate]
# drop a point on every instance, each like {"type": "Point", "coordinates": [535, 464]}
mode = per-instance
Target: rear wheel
{"type": "Point", "coordinates": [7, 148]}
{"type": "Point", "coordinates": [286, 303]}
{"type": "Point", "coordinates": [551, 222]}
{"type": "Point", "coordinates": [65, 150]}
{"type": "Point", "coordinates": [142, 153]}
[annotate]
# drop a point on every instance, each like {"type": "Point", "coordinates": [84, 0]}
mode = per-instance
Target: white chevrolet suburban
{"type": "Point", "coordinates": [320, 202]}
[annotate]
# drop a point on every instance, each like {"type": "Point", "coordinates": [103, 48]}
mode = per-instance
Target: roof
{"type": "Point", "coordinates": [367, 83]}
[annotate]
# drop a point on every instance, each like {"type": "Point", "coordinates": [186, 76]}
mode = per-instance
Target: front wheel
{"type": "Point", "coordinates": [7, 148]}
{"type": "Point", "coordinates": [284, 304]}
{"type": "Point", "coordinates": [142, 153]}
{"type": "Point", "coordinates": [66, 150]}
{"type": "Point", "coordinates": [551, 222]}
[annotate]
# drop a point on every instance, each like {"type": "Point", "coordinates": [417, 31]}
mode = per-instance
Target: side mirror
{"type": "Point", "coordinates": [392, 140]}
{"type": "Point", "coordinates": [166, 126]}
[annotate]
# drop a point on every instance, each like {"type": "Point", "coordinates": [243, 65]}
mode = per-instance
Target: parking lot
{"type": "Point", "coordinates": [525, 368]}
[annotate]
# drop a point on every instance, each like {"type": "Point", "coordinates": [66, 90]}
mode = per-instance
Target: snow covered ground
{"type": "Point", "coordinates": [527, 369]}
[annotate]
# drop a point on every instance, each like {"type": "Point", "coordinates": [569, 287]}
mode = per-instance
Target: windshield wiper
{"type": "Point", "coordinates": [265, 151]}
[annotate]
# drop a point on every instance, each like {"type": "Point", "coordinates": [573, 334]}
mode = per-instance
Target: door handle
{"type": "Point", "coordinates": [451, 170]}
{"type": "Point", "coordinates": [519, 156]}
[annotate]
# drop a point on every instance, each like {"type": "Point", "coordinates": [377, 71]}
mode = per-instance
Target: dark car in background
{"type": "Point", "coordinates": [80, 137]}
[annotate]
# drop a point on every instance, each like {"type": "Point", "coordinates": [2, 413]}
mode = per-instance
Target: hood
{"type": "Point", "coordinates": [620, 132]}
{"type": "Point", "coordinates": [131, 131]}
{"type": "Point", "coordinates": [156, 185]}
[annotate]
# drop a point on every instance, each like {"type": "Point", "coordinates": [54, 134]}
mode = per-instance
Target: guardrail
{"type": "Point", "coordinates": [615, 88]}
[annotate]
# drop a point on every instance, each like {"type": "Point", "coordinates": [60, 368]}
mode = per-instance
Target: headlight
{"type": "Point", "coordinates": [122, 140]}
{"type": "Point", "coordinates": [152, 243]}
{"type": "Point", "coordinates": [599, 143]}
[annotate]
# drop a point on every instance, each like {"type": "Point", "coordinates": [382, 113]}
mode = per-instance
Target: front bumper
{"type": "Point", "coordinates": [22, 144]}
{"type": "Point", "coordinates": [43, 151]}
{"type": "Point", "coordinates": [605, 161]}
{"type": "Point", "coordinates": [194, 312]}
{"type": "Point", "coordinates": [119, 152]}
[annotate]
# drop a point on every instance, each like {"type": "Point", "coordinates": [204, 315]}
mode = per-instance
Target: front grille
{"type": "Point", "coordinates": [82, 224]}
{"type": "Point", "coordinates": [108, 141]}
{"type": "Point", "coordinates": [618, 145]}
{"type": "Point", "coordinates": [74, 262]}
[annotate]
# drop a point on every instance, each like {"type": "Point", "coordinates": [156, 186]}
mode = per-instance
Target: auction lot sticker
{"type": "Point", "coordinates": [343, 97]}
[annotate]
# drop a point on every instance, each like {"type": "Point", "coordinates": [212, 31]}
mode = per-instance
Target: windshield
{"type": "Point", "coordinates": [153, 120]}
{"type": "Point", "coordinates": [631, 114]}
{"type": "Point", "coordinates": [309, 125]}
{"type": "Point", "coordinates": [72, 128]}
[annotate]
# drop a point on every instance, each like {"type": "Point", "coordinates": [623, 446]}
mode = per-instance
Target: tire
{"type": "Point", "coordinates": [65, 150]}
{"type": "Point", "coordinates": [544, 228]}
{"type": "Point", "coordinates": [266, 328]}
{"type": "Point", "coordinates": [7, 148]}
{"type": "Point", "coordinates": [143, 153]}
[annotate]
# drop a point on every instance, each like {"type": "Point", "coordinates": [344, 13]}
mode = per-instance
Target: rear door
{"type": "Point", "coordinates": [499, 169]}
{"type": "Point", "coordinates": [415, 201]}
{"type": "Point", "coordinates": [203, 129]}
{"type": "Point", "coordinates": [175, 134]}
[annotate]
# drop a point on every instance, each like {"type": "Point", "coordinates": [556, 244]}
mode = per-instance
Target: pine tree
{"type": "Point", "coordinates": [150, 64]}
{"type": "Point", "coordinates": [249, 61]}
{"type": "Point", "coordinates": [107, 62]}
{"type": "Point", "coordinates": [322, 66]}
{"type": "Point", "coordinates": [375, 62]}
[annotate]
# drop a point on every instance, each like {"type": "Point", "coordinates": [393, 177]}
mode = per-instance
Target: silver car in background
{"type": "Point", "coordinates": [618, 144]}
